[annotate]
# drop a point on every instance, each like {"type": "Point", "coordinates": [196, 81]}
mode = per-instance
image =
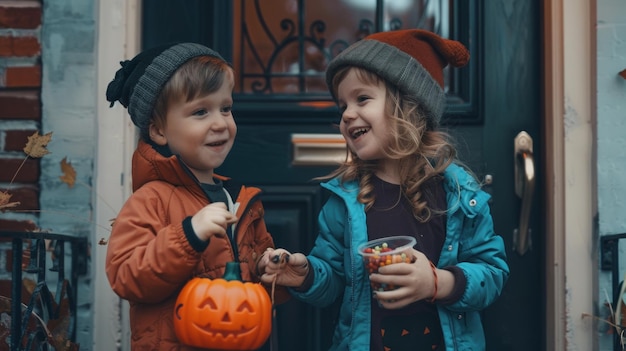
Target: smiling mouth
{"type": "Point", "coordinates": [357, 132]}
{"type": "Point", "coordinates": [217, 143]}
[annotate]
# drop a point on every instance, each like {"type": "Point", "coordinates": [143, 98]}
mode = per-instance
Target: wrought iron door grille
{"type": "Point", "coordinates": [283, 47]}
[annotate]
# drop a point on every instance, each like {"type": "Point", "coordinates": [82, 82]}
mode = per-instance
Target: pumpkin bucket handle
{"type": "Point", "coordinates": [233, 272]}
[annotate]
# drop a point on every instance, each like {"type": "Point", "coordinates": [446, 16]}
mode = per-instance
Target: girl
{"type": "Point", "coordinates": [400, 178]}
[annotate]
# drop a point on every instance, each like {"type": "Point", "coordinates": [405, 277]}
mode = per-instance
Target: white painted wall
{"type": "Point", "coordinates": [68, 93]}
{"type": "Point", "coordinates": [611, 141]}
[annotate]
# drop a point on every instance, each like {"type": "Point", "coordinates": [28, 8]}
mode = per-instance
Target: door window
{"type": "Point", "coordinates": [281, 48]}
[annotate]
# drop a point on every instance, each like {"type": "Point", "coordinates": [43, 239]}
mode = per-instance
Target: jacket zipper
{"type": "Point", "coordinates": [353, 268]}
{"type": "Point", "coordinates": [233, 240]}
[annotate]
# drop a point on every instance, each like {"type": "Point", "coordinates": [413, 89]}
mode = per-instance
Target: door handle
{"type": "Point", "coordinates": [524, 188]}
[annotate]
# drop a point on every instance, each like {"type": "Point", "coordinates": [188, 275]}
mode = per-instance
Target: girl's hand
{"type": "Point", "coordinates": [414, 281]}
{"type": "Point", "coordinates": [212, 219]}
{"type": "Point", "coordinates": [283, 268]}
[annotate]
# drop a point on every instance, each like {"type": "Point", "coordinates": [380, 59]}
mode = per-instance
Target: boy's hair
{"type": "Point", "coordinates": [139, 82]}
{"type": "Point", "coordinates": [423, 152]}
{"type": "Point", "coordinates": [200, 76]}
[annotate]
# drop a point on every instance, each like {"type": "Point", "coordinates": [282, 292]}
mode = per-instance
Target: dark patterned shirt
{"type": "Point", "coordinates": [415, 327]}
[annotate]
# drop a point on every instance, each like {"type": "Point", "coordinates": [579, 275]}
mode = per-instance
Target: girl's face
{"type": "Point", "coordinates": [364, 122]}
{"type": "Point", "coordinates": [201, 131]}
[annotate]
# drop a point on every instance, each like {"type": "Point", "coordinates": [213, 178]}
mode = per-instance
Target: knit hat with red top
{"type": "Point", "coordinates": [411, 59]}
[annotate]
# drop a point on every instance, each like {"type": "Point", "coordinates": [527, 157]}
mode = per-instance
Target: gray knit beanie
{"type": "Point", "coordinates": [411, 59]}
{"type": "Point", "coordinates": [138, 83]}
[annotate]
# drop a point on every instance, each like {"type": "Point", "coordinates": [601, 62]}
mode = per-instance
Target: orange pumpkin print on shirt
{"type": "Point", "coordinates": [398, 336]}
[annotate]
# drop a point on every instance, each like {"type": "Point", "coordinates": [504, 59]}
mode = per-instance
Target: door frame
{"type": "Point", "coordinates": [119, 38]}
{"type": "Point", "coordinates": [570, 197]}
{"type": "Point", "coordinates": [569, 139]}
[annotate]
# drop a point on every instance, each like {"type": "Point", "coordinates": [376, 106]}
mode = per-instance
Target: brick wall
{"type": "Point", "coordinates": [20, 117]}
{"type": "Point", "coordinates": [20, 106]}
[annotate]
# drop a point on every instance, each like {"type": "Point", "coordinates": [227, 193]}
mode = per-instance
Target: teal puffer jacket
{"type": "Point", "coordinates": [470, 244]}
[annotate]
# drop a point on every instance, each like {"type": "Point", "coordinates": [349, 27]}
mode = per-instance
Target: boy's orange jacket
{"type": "Point", "coordinates": [149, 258]}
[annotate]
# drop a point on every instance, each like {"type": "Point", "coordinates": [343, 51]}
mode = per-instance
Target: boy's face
{"type": "Point", "coordinates": [201, 131]}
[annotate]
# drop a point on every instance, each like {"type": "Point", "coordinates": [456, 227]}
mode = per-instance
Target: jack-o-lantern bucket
{"type": "Point", "coordinates": [224, 313]}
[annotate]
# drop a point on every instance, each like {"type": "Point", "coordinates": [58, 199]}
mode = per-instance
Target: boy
{"type": "Point", "coordinates": [182, 220]}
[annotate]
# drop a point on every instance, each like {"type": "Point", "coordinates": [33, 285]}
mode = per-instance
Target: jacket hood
{"type": "Point", "coordinates": [464, 192]}
{"type": "Point", "coordinates": [150, 165]}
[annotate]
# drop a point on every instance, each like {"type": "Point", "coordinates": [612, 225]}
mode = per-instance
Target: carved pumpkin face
{"type": "Point", "coordinates": [221, 314]}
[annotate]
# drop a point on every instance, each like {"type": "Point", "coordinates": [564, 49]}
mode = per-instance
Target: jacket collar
{"type": "Point", "coordinates": [462, 190]}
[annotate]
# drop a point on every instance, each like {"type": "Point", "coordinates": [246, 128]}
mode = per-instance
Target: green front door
{"type": "Point", "coordinates": [512, 95]}
{"type": "Point", "coordinates": [287, 124]}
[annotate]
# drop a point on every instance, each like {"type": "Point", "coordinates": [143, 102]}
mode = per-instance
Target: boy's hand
{"type": "Point", "coordinates": [285, 268]}
{"type": "Point", "coordinates": [211, 220]}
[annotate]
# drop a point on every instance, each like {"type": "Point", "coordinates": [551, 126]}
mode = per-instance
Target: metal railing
{"type": "Point", "coordinates": [29, 330]}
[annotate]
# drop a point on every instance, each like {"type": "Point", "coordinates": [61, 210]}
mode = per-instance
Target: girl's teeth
{"type": "Point", "coordinates": [358, 133]}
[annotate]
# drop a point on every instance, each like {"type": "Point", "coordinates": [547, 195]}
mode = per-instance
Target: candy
{"type": "Point", "coordinates": [382, 252]}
